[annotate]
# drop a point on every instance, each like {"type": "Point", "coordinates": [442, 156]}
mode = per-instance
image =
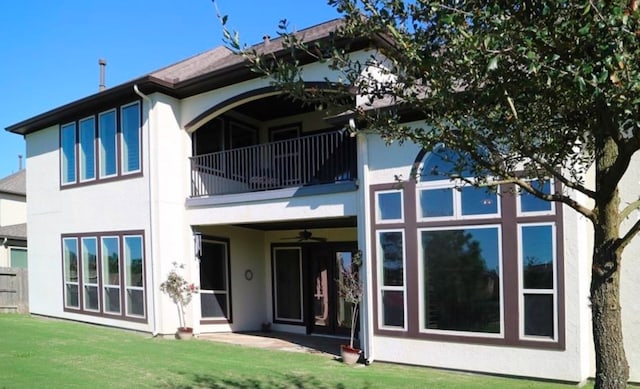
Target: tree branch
{"type": "Point", "coordinates": [629, 208]}
{"type": "Point", "coordinates": [621, 243]}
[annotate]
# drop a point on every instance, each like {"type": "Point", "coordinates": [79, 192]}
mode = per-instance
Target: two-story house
{"type": "Point", "coordinates": [262, 199]}
{"type": "Point", "coordinates": [13, 220]}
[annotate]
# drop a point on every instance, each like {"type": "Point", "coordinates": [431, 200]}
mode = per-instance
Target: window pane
{"type": "Point", "coordinates": [135, 302]}
{"type": "Point", "coordinates": [213, 305]}
{"type": "Point", "coordinates": [389, 205]}
{"type": "Point", "coordinates": [133, 260]}
{"type": "Point", "coordinates": [531, 203]}
{"type": "Point", "coordinates": [18, 258]}
{"type": "Point", "coordinates": [70, 260]}
{"type": "Point", "coordinates": [72, 296]}
{"type": "Point", "coordinates": [538, 315]}
{"type": "Point", "coordinates": [91, 297]}
{"type": "Point", "coordinates": [68, 144]}
{"type": "Point", "coordinates": [478, 201]}
{"type": "Point", "coordinates": [393, 308]}
{"type": "Point", "coordinates": [392, 258]}
{"type": "Point", "coordinates": [213, 266]}
{"type": "Point", "coordinates": [288, 288]}
{"type": "Point", "coordinates": [112, 299]}
{"type": "Point", "coordinates": [537, 257]}
{"type": "Point", "coordinates": [461, 275]}
{"type": "Point", "coordinates": [131, 138]}
{"type": "Point", "coordinates": [87, 149]}
{"type": "Point", "coordinates": [436, 202]}
{"type": "Point", "coordinates": [108, 153]}
{"type": "Point", "coordinates": [111, 261]}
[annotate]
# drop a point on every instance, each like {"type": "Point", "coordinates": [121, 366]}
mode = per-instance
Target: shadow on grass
{"type": "Point", "coordinates": [288, 381]}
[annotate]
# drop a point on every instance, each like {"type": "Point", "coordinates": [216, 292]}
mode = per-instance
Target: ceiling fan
{"type": "Point", "coordinates": [306, 235]}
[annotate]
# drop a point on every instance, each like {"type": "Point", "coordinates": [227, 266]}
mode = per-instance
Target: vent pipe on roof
{"type": "Point", "coordinates": [266, 39]}
{"type": "Point", "coordinates": [103, 63]}
{"type": "Point", "coordinates": [19, 162]}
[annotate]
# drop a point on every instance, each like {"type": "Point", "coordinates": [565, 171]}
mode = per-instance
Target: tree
{"type": "Point", "coordinates": [521, 89]}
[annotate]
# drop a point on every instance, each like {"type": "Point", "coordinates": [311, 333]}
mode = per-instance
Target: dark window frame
{"type": "Point", "coordinates": [121, 235]}
{"type": "Point", "coordinates": [510, 220]}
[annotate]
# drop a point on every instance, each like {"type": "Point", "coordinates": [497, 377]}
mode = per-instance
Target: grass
{"type": "Point", "coordinates": [37, 352]}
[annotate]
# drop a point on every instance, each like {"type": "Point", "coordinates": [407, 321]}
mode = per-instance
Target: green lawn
{"type": "Point", "coordinates": [43, 353]}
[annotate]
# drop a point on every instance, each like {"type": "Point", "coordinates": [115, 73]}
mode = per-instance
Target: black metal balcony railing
{"type": "Point", "coordinates": [310, 160]}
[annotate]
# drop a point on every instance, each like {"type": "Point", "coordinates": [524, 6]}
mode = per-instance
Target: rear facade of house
{"type": "Point", "coordinates": [263, 200]}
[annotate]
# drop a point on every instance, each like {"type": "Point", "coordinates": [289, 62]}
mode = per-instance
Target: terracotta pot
{"type": "Point", "coordinates": [349, 355]}
{"type": "Point", "coordinates": [184, 333]}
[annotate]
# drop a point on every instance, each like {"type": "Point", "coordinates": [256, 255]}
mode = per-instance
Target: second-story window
{"type": "Point", "coordinates": [102, 146]}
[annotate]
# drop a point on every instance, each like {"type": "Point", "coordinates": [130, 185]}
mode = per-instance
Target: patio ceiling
{"type": "Point", "coordinates": [343, 222]}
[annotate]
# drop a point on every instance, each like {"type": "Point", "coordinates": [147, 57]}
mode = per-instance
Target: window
{"type": "Point", "coordinates": [87, 149]}
{"type": "Point", "coordinates": [103, 273]}
{"type": "Point", "coordinates": [391, 278]}
{"type": "Point", "coordinates": [70, 261]}
{"type": "Point", "coordinates": [529, 204]}
{"type": "Point", "coordinates": [482, 266]}
{"type": "Point", "coordinates": [83, 163]}
{"type": "Point", "coordinates": [90, 273]}
{"type": "Point", "coordinates": [18, 257]}
{"type": "Point", "coordinates": [68, 149]}
{"type": "Point", "coordinates": [537, 270]}
{"type": "Point", "coordinates": [215, 299]}
{"type": "Point", "coordinates": [389, 206]}
{"type": "Point", "coordinates": [130, 128]}
{"type": "Point", "coordinates": [108, 143]}
{"type": "Point", "coordinates": [111, 273]}
{"type": "Point", "coordinates": [461, 279]}
{"type": "Point", "coordinates": [287, 273]}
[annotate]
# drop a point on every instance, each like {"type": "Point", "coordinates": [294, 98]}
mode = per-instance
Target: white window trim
{"type": "Point", "coordinates": [64, 265]}
{"type": "Point", "coordinates": [382, 288]}
{"type": "Point", "coordinates": [100, 153]}
{"type": "Point", "coordinates": [379, 220]}
{"type": "Point", "coordinates": [457, 202]}
{"type": "Point", "coordinates": [86, 284]}
{"type": "Point", "coordinates": [106, 285]}
{"type": "Point", "coordinates": [521, 213]}
{"type": "Point", "coordinates": [123, 167]}
{"type": "Point", "coordinates": [125, 271]}
{"type": "Point", "coordinates": [275, 291]}
{"type": "Point", "coordinates": [421, 283]}
{"type": "Point", "coordinates": [522, 291]}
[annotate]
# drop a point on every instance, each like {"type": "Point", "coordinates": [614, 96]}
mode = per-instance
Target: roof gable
{"type": "Point", "coordinates": [15, 183]}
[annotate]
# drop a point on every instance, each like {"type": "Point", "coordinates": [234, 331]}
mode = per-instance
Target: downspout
{"type": "Point", "coordinates": [154, 302]}
{"type": "Point", "coordinates": [364, 237]}
{"type": "Point", "coordinates": [4, 242]}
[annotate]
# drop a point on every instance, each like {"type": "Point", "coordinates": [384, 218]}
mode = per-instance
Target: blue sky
{"type": "Point", "coordinates": [49, 50]}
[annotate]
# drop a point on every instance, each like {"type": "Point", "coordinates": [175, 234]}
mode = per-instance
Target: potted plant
{"type": "Point", "coordinates": [181, 293]}
{"type": "Point", "coordinates": [350, 289]}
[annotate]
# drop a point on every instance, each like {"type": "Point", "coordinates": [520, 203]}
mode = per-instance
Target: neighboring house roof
{"type": "Point", "coordinates": [15, 231]}
{"type": "Point", "coordinates": [210, 70]}
{"type": "Point", "coordinates": [15, 184]}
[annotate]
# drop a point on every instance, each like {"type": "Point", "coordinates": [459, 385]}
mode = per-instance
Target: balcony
{"type": "Point", "coordinates": [310, 160]}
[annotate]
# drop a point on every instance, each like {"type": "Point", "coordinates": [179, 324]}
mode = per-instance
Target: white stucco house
{"type": "Point", "coordinates": [261, 198]}
{"type": "Point", "coordinates": [13, 220]}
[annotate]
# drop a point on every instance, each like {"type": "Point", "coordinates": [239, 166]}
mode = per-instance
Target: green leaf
{"type": "Point", "coordinates": [585, 29]}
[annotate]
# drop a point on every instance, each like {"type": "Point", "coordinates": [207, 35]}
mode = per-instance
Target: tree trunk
{"type": "Point", "coordinates": [612, 370]}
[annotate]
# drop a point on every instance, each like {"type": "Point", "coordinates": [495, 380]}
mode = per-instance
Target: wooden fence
{"type": "Point", "coordinates": [14, 290]}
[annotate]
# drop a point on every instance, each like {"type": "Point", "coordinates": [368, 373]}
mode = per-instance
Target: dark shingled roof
{"type": "Point", "coordinates": [15, 231]}
{"type": "Point", "coordinates": [15, 183]}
